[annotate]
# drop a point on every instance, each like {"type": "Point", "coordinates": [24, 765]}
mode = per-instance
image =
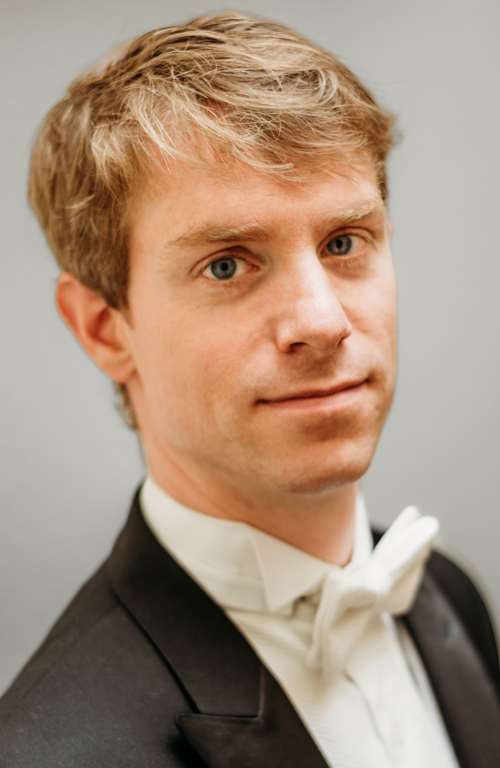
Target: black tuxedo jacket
{"type": "Point", "coordinates": [144, 670]}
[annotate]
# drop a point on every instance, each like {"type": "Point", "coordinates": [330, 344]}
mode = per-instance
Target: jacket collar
{"type": "Point", "coordinates": [240, 714]}
{"type": "Point", "coordinates": [466, 695]}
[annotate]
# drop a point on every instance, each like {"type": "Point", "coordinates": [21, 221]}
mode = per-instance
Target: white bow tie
{"type": "Point", "coordinates": [387, 581]}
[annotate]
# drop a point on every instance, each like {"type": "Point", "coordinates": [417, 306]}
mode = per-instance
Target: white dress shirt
{"type": "Point", "coordinates": [380, 712]}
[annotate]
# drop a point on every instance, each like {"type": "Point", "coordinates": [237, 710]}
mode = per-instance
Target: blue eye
{"type": "Point", "coordinates": [340, 245]}
{"type": "Point", "coordinates": [223, 269]}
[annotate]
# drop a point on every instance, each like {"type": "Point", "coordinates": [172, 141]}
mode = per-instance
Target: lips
{"type": "Point", "coordinates": [320, 392]}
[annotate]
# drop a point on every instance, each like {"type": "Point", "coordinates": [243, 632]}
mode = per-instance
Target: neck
{"type": "Point", "coordinates": [321, 523]}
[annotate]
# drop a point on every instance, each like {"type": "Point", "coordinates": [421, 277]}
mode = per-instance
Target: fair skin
{"type": "Point", "coordinates": [259, 345]}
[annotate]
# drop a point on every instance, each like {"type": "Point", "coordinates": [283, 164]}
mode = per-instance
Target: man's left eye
{"type": "Point", "coordinates": [341, 245]}
{"type": "Point", "coordinates": [225, 268]}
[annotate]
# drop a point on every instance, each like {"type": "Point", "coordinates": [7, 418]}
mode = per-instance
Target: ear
{"type": "Point", "coordinates": [101, 330]}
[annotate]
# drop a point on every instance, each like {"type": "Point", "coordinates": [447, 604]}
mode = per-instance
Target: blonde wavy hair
{"type": "Point", "coordinates": [220, 90]}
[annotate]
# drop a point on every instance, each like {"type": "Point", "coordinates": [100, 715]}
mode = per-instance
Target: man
{"type": "Point", "coordinates": [215, 195]}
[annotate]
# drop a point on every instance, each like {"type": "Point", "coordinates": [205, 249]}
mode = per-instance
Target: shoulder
{"type": "Point", "coordinates": [88, 610]}
{"type": "Point", "coordinates": [97, 692]}
{"type": "Point", "coordinates": [470, 606]}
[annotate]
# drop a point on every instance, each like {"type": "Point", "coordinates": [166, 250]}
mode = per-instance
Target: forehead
{"type": "Point", "coordinates": [245, 203]}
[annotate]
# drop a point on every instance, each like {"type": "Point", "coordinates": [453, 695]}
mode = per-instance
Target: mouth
{"type": "Point", "coordinates": [339, 395]}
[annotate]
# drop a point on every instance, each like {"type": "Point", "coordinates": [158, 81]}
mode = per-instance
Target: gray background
{"type": "Point", "coordinates": [69, 465]}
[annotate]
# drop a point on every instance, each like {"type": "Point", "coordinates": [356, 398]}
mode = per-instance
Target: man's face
{"type": "Point", "coordinates": [263, 326]}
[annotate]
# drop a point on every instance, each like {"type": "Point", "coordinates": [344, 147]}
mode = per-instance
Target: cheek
{"type": "Point", "coordinates": [192, 362]}
{"type": "Point", "coordinates": [381, 302]}
{"type": "Point", "coordinates": [373, 315]}
{"type": "Point", "coordinates": [372, 310]}
{"type": "Point", "coordinates": [387, 341]}
{"type": "Point", "coordinates": [390, 307]}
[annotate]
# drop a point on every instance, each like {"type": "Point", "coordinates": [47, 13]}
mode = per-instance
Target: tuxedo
{"type": "Point", "coordinates": [145, 669]}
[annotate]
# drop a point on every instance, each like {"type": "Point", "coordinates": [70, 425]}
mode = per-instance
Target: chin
{"type": "Point", "coordinates": [315, 474]}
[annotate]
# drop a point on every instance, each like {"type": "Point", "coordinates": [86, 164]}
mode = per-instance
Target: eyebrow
{"type": "Point", "coordinates": [361, 210]}
{"type": "Point", "coordinates": [207, 232]}
{"type": "Point", "coordinates": [220, 233]}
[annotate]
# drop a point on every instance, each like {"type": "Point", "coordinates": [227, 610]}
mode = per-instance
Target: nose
{"type": "Point", "coordinates": [309, 313]}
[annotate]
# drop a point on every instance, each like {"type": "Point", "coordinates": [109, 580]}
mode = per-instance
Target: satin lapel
{"type": "Point", "coordinates": [233, 697]}
{"type": "Point", "coordinates": [276, 738]}
{"type": "Point", "coordinates": [466, 696]}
